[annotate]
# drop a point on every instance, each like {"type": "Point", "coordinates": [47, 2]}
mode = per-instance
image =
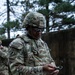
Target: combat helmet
{"type": "Point", "coordinates": [34, 19]}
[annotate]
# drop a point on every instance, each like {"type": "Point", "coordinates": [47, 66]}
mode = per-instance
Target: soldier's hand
{"type": "Point", "coordinates": [48, 68]}
{"type": "Point", "coordinates": [55, 72]}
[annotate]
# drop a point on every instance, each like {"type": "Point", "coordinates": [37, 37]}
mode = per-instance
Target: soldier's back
{"type": "Point", "coordinates": [4, 61]}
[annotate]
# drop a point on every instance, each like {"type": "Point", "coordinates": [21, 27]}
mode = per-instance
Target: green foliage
{"type": "Point", "coordinates": [68, 21]}
{"type": "Point", "coordinates": [46, 2]}
{"type": "Point", "coordinates": [57, 1]}
{"type": "Point", "coordinates": [64, 7]}
{"type": "Point", "coordinates": [14, 25]}
{"type": "Point", "coordinates": [43, 2]}
{"type": "Point", "coordinates": [2, 37]}
{"type": "Point", "coordinates": [44, 12]}
{"type": "Point", "coordinates": [11, 24]}
{"type": "Point", "coordinates": [61, 9]}
{"type": "Point", "coordinates": [2, 31]}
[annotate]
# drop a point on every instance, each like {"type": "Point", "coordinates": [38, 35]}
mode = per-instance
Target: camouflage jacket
{"type": "Point", "coordinates": [27, 57]}
{"type": "Point", "coordinates": [3, 61]}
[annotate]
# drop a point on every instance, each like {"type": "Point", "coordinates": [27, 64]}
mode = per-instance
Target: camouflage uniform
{"type": "Point", "coordinates": [37, 55]}
{"type": "Point", "coordinates": [26, 55]}
{"type": "Point", "coordinates": [3, 61]}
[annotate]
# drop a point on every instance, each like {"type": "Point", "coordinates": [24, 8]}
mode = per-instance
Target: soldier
{"type": "Point", "coordinates": [3, 59]}
{"type": "Point", "coordinates": [29, 54]}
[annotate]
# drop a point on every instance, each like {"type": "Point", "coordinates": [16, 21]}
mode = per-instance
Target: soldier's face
{"type": "Point", "coordinates": [35, 32]}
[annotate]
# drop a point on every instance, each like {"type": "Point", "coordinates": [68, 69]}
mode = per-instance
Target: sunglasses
{"type": "Point", "coordinates": [38, 29]}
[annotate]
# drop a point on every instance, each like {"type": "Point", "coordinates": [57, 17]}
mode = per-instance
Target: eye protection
{"type": "Point", "coordinates": [38, 29]}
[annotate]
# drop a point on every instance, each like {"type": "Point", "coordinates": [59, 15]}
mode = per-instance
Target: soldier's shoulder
{"type": "Point", "coordinates": [16, 43]}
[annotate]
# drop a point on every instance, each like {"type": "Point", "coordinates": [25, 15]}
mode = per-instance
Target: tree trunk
{"type": "Point", "coordinates": [47, 18]}
{"type": "Point", "coordinates": [8, 19]}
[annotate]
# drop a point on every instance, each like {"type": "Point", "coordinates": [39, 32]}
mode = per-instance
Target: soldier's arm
{"type": "Point", "coordinates": [3, 53]}
{"type": "Point", "coordinates": [17, 64]}
{"type": "Point", "coordinates": [52, 64]}
{"type": "Point", "coordinates": [49, 55]}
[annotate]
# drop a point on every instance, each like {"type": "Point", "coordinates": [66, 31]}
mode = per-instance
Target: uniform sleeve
{"type": "Point", "coordinates": [49, 55]}
{"type": "Point", "coordinates": [3, 54]}
{"type": "Point", "coordinates": [17, 64]}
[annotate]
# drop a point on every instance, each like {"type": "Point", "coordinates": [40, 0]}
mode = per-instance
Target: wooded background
{"type": "Point", "coordinates": [60, 14]}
